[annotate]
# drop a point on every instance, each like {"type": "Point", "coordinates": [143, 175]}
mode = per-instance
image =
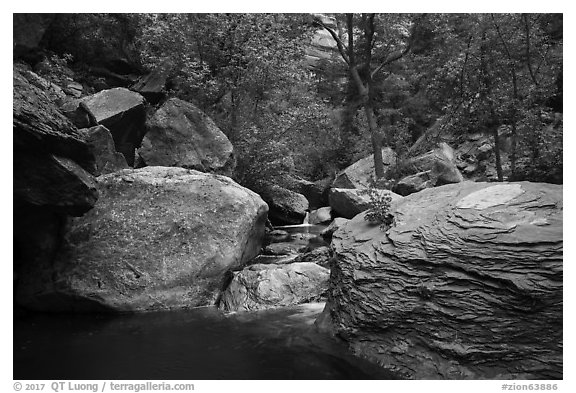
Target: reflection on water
{"type": "Point", "coordinates": [196, 344]}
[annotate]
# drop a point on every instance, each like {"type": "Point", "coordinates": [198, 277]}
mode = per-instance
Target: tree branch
{"type": "Point", "coordinates": [528, 62]}
{"type": "Point", "coordinates": [341, 47]}
{"type": "Point", "coordinates": [392, 57]}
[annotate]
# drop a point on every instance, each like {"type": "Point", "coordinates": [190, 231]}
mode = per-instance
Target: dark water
{"type": "Point", "coordinates": [197, 344]}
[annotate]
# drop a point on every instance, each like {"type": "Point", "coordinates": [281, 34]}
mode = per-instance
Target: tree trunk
{"type": "Point", "coordinates": [497, 153]}
{"type": "Point", "coordinates": [493, 123]}
{"type": "Point", "coordinates": [376, 141]}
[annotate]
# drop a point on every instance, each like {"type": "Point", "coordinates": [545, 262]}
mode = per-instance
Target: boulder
{"type": "Point", "coordinates": [263, 286]}
{"type": "Point", "coordinates": [320, 216]}
{"type": "Point", "coordinates": [38, 125]}
{"type": "Point", "coordinates": [53, 165]}
{"type": "Point", "coordinates": [333, 227]}
{"type": "Point", "coordinates": [466, 283]}
{"type": "Point", "coordinates": [350, 202]}
{"type": "Point", "coordinates": [74, 89]}
{"type": "Point", "coordinates": [53, 182]}
{"type": "Point", "coordinates": [179, 134]}
{"type": "Point", "coordinates": [122, 112]}
{"type": "Point", "coordinates": [286, 207]}
{"type": "Point", "coordinates": [282, 248]}
{"type": "Point", "coordinates": [316, 192]}
{"type": "Point", "coordinates": [320, 256]}
{"type": "Point", "coordinates": [108, 160]}
{"type": "Point", "coordinates": [152, 85]}
{"type": "Point", "coordinates": [431, 169]}
{"type": "Point", "coordinates": [71, 108]}
{"type": "Point", "coordinates": [361, 173]}
{"type": "Point", "coordinates": [157, 239]}
{"type": "Point", "coordinates": [413, 183]}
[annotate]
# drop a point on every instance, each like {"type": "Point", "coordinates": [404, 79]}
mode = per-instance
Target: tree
{"type": "Point", "coordinates": [367, 53]}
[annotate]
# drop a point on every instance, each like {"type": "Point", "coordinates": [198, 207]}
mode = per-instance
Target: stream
{"type": "Point", "coordinates": [202, 343]}
{"type": "Point", "coordinates": [199, 344]}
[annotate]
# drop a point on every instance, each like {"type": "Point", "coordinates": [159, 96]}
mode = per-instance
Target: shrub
{"type": "Point", "coordinates": [379, 211]}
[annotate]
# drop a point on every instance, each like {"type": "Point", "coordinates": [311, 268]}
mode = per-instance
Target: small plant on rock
{"type": "Point", "coordinates": [379, 211]}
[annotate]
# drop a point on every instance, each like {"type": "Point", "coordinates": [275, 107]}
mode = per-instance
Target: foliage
{"type": "Point", "coordinates": [91, 38]}
{"type": "Point", "coordinates": [379, 211]}
{"type": "Point", "coordinates": [438, 76]}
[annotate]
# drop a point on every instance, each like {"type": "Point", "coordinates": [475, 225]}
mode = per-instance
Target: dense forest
{"type": "Point", "coordinates": [307, 95]}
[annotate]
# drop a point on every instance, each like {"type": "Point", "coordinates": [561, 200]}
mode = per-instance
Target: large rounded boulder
{"type": "Point", "coordinates": [262, 286]}
{"type": "Point", "coordinates": [286, 207]}
{"type": "Point", "coordinates": [158, 238]}
{"type": "Point", "coordinates": [180, 134]}
{"type": "Point", "coordinates": [466, 283]}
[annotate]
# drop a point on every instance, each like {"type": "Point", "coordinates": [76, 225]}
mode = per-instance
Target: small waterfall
{"type": "Point", "coordinates": [306, 219]}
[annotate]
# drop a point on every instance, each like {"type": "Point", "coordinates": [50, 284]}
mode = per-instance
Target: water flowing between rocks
{"type": "Point", "coordinates": [202, 343]}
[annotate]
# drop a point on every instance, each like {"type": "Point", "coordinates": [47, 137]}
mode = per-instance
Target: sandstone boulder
{"type": "Point", "coordinates": [261, 286]}
{"type": "Point", "coordinates": [158, 238]}
{"type": "Point", "coordinates": [320, 256]}
{"type": "Point", "coordinates": [38, 125]}
{"type": "Point", "coordinates": [108, 160]}
{"type": "Point", "coordinates": [71, 108]}
{"type": "Point", "coordinates": [467, 283]}
{"type": "Point", "coordinates": [286, 207]}
{"type": "Point", "coordinates": [361, 173]}
{"type": "Point", "coordinates": [431, 169]}
{"type": "Point", "coordinates": [320, 216]}
{"type": "Point", "coordinates": [413, 183]}
{"type": "Point", "coordinates": [179, 134]}
{"type": "Point", "coordinates": [122, 112]}
{"type": "Point", "coordinates": [350, 202]}
{"type": "Point", "coordinates": [152, 85]}
{"type": "Point", "coordinates": [53, 182]}
{"type": "Point", "coordinates": [52, 163]}
{"type": "Point", "coordinates": [283, 248]}
{"type": "Point", "coordinates": [316, 192]}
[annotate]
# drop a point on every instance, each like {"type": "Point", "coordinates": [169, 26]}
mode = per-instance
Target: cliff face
{"type": "Point", "coordinates": [467, 283]}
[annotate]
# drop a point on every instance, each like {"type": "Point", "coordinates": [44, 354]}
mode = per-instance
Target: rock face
{"type": "Point", "coordinates": [350, 202]}
{"type": "Point", "coordinates": [179, 134]}
{"type": "Point", "coordinates": [158, 238]}
{"type": "Point", "coordinates": [467, 283]}
{"type": "Point", "coordinates": [108, 160]}
{"type": "Point", "coordinates": [52, 163]}
{"type": "Point", "coordinates": [122, 112]}
{"type": "Point", "coordinates": [286, 207]}
{"type": "Point", "coordinates": [39, 126]}
{"type": "Point", "coordinates": [265, 286]}
{"type": "Point", "coordinates": [359, 174]}
{"type": "Point", "coordinates": [322, 46]}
